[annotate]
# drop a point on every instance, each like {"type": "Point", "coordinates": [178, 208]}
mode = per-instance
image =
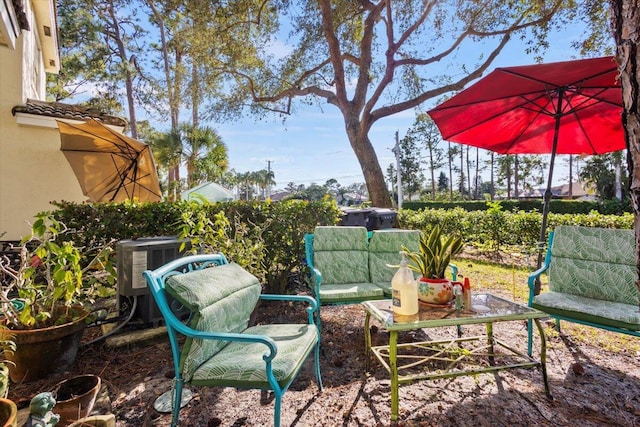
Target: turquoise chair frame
{"type": "Point", "coordinates": [531, 282]}
{"type": "Point", "coordinates": [175, 327]}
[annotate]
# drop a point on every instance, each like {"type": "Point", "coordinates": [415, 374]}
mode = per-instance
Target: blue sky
{"type": "Point", "coordinates": [311, 145]}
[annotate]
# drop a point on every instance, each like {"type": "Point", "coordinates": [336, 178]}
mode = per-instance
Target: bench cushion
{"type": "Point", "coordinates": [241, 364]}
{"type": "Point", "coordinates": [607, 313]}
{"type": "Point", "coordinates": [221, 299]}
{"type": "Point", "coordinates": [384, 248]}
{"type": "Point", "coordinates": [349, 292]}
{"type": "Point", "coordinates": [340, 253]}
{"type": "Point", "coordinates": [594, 263]}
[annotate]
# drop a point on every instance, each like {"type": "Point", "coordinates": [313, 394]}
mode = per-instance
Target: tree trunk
{"type": "Point", "coordinates": [626, 28]}
{"type": "Point", "coordinates": [469, 172]}
{"type": "Point", "coordinates": [122, 54]}
{"type": "Point", "coordinates": [432, 169]}
{"type": "Point", "coordinates": [570, 176]}
{"type": "Point", "coordinates": [477, 175]}
{"type": "Point", "coordinates": [373, 176]}
{"type": "Point", "coordinates": [516, 178]}
{"type": "Point", "coordinates": [493, 182]}
{"type": "Point", "coordinates": [450, 173]}
{"type": "Point", "coordinates": [461, 173]}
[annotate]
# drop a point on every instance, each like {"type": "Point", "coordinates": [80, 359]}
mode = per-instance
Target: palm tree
{"type": "Point", "coordinates": [204, 154]}
{"type": "Point", "coordinates": [200, 149]}
{"type": "Point", "coordinates": [167, 151]}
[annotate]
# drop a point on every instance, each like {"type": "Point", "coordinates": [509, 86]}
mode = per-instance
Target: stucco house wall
{"type": "Point", "coordinates": [33, 170]}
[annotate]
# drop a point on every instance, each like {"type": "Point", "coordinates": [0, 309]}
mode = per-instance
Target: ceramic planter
{"type": "Point", "coordinates": [43, 351]}
{"type": "Point", "coordinates": [436, 291]}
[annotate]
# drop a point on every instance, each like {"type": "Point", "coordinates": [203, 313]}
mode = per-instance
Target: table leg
{"type": "Point", "coordinates": [490, 342]}
{"type": "Point", "coordinates": [543, 358]}
{"type": "Point", "coordinates": [367, 342]}
{"type": "Point", "coordinates": [393, 372]}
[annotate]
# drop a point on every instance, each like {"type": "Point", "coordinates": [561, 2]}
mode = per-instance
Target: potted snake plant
{"type": "Point", "coordinates": [431, 263]}
{"type": "Point", "coordinates": [43, 296]}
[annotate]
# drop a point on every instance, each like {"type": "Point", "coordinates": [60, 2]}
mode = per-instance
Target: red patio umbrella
{"type": "Point", "coordinates": [571, 107]}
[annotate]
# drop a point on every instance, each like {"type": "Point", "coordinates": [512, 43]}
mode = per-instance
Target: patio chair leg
{"type": "Point", "coordinates": [317, 365]}
{"type": "Point", "coordinates": [177, 400]}
{"type": "Point", "coordinates": [276, 409]}
{"type": "Point", "coordinates": [529, 337]}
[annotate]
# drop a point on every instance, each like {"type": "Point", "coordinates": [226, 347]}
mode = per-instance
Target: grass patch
{"type": "Point", "coordinates": [510, 282]}
{"type": "Point", "coordinates": [506, 281]}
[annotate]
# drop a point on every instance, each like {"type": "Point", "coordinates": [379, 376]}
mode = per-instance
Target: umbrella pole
{"type": "Point", "coordinates": [547, 193]}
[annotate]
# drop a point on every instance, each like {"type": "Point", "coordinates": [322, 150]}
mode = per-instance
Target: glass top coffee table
{"type": "Point", "coordinates": [471, 355]}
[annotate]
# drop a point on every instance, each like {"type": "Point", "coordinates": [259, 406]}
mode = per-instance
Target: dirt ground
{"type": "Point", "coordinates": [594, 382]}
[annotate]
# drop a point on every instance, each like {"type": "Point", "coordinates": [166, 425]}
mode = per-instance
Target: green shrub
{"type": "Point", "coordinates": [267, 237]}
{"type": "Point", "coordinates": [606, 207]}
{"type": "Point", "coordinates": [275, 229]}
{"type": "Point", "coordinates": [498, 229]}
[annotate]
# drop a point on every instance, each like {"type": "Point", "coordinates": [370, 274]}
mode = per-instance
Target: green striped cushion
{"type": "Point", "coordinates": [349, 292]}
{"type": "Point", "coordinates": [221, 300]}
{"type": "Point", "coordinates": [241, 364]}
{"type": "Point", "coordinates": [340, 253]}
{"type": "Point", "coordinates": [594, 263]}
{"type": "Point", "coordinates": [384, 248]}
{"type": "Point", "coordinates": [607, 313]}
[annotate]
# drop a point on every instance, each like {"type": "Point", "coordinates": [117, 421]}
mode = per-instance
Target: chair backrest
{"type": "Point", "coordinates": [384, 248]}
{"type": "Point", "coordinates": [341, 254]}
{"type": "Point", "coordinates": [596, 263]}
{"type": "Point", "coordinates": [221, 299]}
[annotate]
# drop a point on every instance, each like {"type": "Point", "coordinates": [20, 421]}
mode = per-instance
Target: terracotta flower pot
{"type": "Point", "coordinates": [8, 413]}
{"type": "Point", "coordinates": [43, 351]}
{"type": "Point", "coordinates": [75, 397]}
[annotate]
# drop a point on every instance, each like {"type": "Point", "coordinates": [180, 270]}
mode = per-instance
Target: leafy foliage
{"type": "Point", "coordinates": [435, 253]}
{"type": "Point", "coordinates": [50, 277]}
{"type": "Point", "coordinates": [277, 228]}
{"type": "Point", "coordinates": [519, 230]}
{"type": "Point", "coordinates": [611, 207]}
{"type": "Point", "coordinates": [267, 237]}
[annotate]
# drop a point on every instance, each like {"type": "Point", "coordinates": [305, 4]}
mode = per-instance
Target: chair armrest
{"type": "Point", "coordinates": [531, 281]}
{"type": "Point", "coordinates": [315, 273]}
{"type": "Point", "coordinates": [313, 304]}
{"type": "Point", "coordinates": [227, 336]}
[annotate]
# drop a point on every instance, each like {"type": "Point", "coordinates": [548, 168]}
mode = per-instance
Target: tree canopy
{"type": "Point", "coordinates": [369, 59]}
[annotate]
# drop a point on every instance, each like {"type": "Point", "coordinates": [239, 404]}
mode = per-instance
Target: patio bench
{"type": "Point", "coordinates": [349, 264]}
{"type": "Point", "coordinates": [221, 349]}
{"type": "Point", "coordinates": [591, 274]}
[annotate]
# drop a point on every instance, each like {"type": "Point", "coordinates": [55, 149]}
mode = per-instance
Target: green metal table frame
{"type": "Point", "coordinates": [454, 357]}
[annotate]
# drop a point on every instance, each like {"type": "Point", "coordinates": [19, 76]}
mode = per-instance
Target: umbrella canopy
{"type": "Point", "coordinates": [571, 107]}
{"type": "Point", "coordinates": [525, 110]}
{"type": "Point", "coordinates": [211, 191]}
{"type": "Point", "coordinates": [110, 166]}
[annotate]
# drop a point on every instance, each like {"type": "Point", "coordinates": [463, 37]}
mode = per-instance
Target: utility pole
{"type": "Point", "coordinates": [396, 151]}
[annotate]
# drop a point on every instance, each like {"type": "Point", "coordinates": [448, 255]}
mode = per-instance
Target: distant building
{"type": "Point", "coordinates": [579, 191]}
{"type": "Point", "coordinates": [353, 199]}
{"type": "Point", "coordinates": [279, 195]}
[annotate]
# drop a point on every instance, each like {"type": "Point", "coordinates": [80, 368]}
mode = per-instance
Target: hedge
{"type": "Point", "coordinates": [278, 228]}
{"type": "Point", "coordinates": [607, 207]}
{"type": "Point", "coordinates": [267, 237]}
{"type": "Point", "coordinates": [499, 229]}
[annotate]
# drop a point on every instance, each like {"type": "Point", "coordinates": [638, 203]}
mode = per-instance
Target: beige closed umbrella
{"type": "Point", "coordinates": [110, 166]}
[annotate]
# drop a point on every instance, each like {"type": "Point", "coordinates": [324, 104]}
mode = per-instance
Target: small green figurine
{"type": "Point", "coordinates": [40, 414]}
